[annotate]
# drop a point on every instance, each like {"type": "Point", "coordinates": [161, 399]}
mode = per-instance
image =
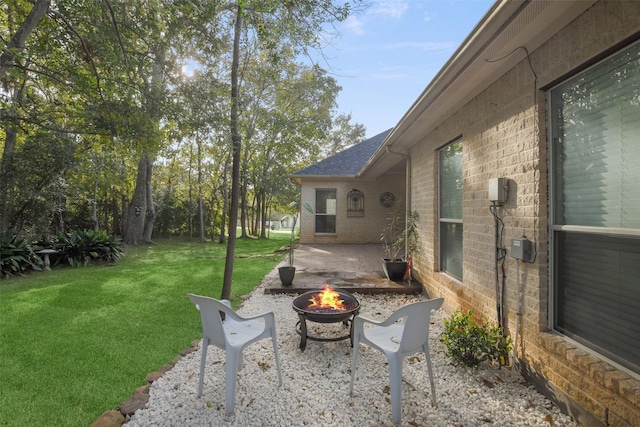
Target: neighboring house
{"type": "Point", "coordinates": [546, 95]}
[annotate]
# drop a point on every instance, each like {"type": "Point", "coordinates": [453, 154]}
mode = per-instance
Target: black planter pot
{"type": "Point", "coordinates": [395, 269]}
{"type": "Point", "coordinates": [286, 275]}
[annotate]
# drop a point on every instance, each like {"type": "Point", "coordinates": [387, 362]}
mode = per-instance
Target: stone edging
{"type": "Point", "coordinates": [122, 413]}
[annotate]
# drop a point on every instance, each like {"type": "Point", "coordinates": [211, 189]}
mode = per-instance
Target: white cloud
{"type": "Point", "coordinates": [355, 25]}
{"type": "Point", "coordinates": [427, 17]}
{"type": "Point", "coordinates": [393, 9]}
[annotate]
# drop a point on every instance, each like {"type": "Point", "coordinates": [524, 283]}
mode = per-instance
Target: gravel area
{"type": "Point", "coordinates": [315, 390]}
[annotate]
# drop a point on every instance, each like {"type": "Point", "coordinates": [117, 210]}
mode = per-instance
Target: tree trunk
{"type": "Point", "coordinates": [6, 165]}
{"type": "Point", "coordinates": [150, 217]}
{"type": "Point", "coordinates": [136, 211]}
{"type": "Point", "coordinates": [16, 44]}
{"type": "Point", "coordinates": [116, 228]}
{"type": "Point", "coordinates": [94, 207]}
{"type": "Point", "coordinates": [243, 198]}
{"type": "Point", "coordinates": [6, 188]}
{"type": "Point", "coordinates": [235, 167]}
{"type": "Point", "coordinates": [200, 209]}
{"type": "Point", "coordinates": [225, 201]}
{"type": "Point", "coordinates": [263, 215]}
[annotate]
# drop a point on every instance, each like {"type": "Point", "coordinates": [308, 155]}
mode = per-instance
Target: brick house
{"type": "Point", "coordinates": [522, 157]}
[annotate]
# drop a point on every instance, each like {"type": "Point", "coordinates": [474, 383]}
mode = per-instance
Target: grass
{"type": "Point", "coordinates": [75, 342]}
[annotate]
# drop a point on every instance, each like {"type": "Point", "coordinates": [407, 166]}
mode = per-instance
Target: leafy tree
{"type": "Point", "coordinates": [275, 24]}
{"type": "Point", "coordinates": [103, 82]}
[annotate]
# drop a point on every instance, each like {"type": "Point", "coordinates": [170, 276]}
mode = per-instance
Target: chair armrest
{"type": "Point", "coordinates": [235, 316]}
{"type": "Point", "coordinates": [361, 321]}
{"type": "Point", "coordinates": [268, 316]}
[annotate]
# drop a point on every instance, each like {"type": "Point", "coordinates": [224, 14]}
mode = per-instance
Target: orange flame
{"type": "Point", "coordinates": [327, 298]}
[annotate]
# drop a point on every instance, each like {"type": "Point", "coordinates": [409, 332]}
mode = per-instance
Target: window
{"type": "Point", "coordinates": [595, 221]}
{"type": "Point", "coordinates": [325, 210]}
{"type": "Point", "coordinates": [450, 209]}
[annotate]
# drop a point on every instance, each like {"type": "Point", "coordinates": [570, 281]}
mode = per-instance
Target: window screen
{"type": "Point", "coordinates": [595, 122]}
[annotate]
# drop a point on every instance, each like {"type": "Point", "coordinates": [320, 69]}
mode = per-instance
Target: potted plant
{"type": "Point", "coordinates": [400, 241]}
{"type": "Point", "coordinates": [288, 272]}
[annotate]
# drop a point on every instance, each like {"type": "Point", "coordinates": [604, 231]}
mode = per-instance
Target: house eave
{"type": "Point", "coordinates": [297, 179]}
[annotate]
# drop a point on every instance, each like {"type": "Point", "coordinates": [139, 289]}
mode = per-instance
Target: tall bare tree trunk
{"type": "Point", "coordinates": [150, 217]}
{"type": "Point", "coordinates": [235, 167]}
{"type": "Point", "coordinates": [136, 211]}
{"type": "Point", "coordinates": [225, 201]}
{"type": "Point", "coordinates": [200, 209]}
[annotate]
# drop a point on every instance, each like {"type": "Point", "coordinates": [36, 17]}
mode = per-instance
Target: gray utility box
{"type": "Point", "coordinates": [522, 249]}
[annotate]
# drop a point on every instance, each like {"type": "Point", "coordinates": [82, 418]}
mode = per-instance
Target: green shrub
{"type": "Point", "coordinates": [80, 247]}
{"type": "Point", "coordinates": [16, 256]}
{"type": "Point", "coordinates": [471, 344]}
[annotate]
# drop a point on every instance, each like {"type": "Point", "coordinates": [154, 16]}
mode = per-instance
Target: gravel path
{"type": "Point", "coordinates": [315, 390]}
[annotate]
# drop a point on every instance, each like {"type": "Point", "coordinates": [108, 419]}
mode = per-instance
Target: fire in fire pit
{"type": "Point", "coordinates": [325, 306]}
{"type": "Point", "coordinates": [326, 300]}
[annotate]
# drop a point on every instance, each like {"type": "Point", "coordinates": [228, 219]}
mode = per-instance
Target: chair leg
{"type": "Point", "coordinates": [354, 363]}
{"type": "Point", "coordinates": [203, 362]}
{"type": "Point", "coordinates": [231, 377]}
{"type": "Point", "coordinates": [274, 339]}
{"type": "Point", "coordinates": [430, 369]}
{"type": "Point", "coordinates": [395, 378]}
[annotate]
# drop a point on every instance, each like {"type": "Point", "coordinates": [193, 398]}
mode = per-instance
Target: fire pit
{"type": "Point", "coordinates": [327, 305]}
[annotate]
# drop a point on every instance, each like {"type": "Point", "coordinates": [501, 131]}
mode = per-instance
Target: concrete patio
{"type": "Point", "coordinates": [352, 267]}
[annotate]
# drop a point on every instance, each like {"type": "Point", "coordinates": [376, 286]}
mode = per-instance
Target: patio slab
{"type": "Point", "coordinates": [352, 267]}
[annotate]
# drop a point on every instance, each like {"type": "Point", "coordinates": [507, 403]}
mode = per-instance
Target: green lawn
{"type": "Point", "coordinates": [75, 342]}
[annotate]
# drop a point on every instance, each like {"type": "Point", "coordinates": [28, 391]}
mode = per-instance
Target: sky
{"type": "Point", "coordinates": [386, 56]}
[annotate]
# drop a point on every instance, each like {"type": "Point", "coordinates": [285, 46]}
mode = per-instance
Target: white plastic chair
{"type": "Point", "coordinates": [397, 341]}
{"type": "Point", "coordinates": [232, 335]}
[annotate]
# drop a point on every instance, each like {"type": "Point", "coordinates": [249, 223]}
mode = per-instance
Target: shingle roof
{"type": "Point", "coordinates": [347, 162]}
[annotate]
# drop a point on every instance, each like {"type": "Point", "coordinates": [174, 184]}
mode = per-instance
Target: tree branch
{"type": "Point", "coordinates": [16, 44]}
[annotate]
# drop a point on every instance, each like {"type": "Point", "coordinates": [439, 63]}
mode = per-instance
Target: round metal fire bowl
{"type": "Point", "coordinates": [301, 303]}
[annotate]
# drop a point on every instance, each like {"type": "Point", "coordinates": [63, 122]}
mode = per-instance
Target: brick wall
{"type": "Point", "coordinates": [504, 135]}
{"type": "Point", "coordinates": [364, 229]}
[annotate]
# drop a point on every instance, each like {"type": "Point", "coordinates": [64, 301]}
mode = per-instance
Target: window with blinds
{"type": "Point", "coordinates": [450, 208]}
{"type": "Point", "coordinates": [595, 156]}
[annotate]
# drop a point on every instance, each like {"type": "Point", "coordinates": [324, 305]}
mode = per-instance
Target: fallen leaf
{"type": "Point", "coordinates": [488, 383]}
